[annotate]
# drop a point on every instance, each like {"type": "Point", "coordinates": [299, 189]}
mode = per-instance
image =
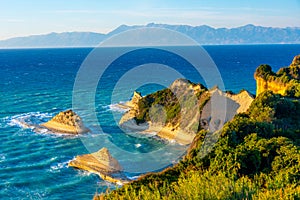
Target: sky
{"type": "Point", "coordinates": [33, 17]}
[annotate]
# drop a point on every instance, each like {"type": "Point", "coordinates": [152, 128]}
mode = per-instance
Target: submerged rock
{"type": "Point", "coordinates": [101, 163]}
{"type": "Point", "coordinates": [66, 122]}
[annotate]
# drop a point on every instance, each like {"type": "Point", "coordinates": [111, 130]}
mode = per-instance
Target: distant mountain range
{"type": "Point", "coordinates": [248, 34]}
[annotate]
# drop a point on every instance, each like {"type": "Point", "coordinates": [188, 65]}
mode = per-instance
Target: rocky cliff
{"type": "Point", "coordinates": [263, 85]}
{"type": "Point", "coordinates": [177, 113]}
{"type": "Point", "coordinates": [285, 82]}
{"type": "Point", "coordinates": [66, 122]}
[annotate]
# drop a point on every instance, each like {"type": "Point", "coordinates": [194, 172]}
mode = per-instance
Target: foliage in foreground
{"type": "Point", "coordinates": [257, 156]}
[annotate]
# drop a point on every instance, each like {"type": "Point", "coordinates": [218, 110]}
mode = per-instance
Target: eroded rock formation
{"type": "Point", "coordinates": [101, 163]}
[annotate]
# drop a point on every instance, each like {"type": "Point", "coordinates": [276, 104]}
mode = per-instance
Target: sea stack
{"type": "Point", "coordinates": [66, 122]}
{"type": "Point", "coordinates": [101, 163]}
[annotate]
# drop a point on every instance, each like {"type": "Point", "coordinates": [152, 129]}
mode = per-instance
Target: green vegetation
{"type": "Point", "coordinates": [293, 71]}
{"type": "Point", "coordinates": [170, 102]}
{"type": "Point", "coordinates": [283, 76]}
{"type": "Point", "coordinates": [257, 156]}
{"type": "Point", "coordinates": [264, 72]}
{"type": "Point", "coordinates": [165, 98]}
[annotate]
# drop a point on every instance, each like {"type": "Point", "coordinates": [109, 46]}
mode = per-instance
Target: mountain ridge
{"type": "Point", "coordinates": [203, 34]}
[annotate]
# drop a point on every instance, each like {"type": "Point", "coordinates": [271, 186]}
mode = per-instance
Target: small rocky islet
{"type": "Point", "coordinates": [101, 163]}
{"type": "Point", "coordinates": [66, 122]}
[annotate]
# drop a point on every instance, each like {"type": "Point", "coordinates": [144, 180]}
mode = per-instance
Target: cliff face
{"type": "Point", "coordinates": [263, 85]}
{"type": "Point", "coordinates": [285, 82]}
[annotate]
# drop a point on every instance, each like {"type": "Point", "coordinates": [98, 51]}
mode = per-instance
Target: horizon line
{"type": "Point", "coordinates": [145, 25]}
{"type": "Point", "coordinates": [93, 47]}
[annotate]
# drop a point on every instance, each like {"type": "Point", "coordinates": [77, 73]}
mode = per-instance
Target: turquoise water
{"type": "Point", "coordinates": [36, 84]}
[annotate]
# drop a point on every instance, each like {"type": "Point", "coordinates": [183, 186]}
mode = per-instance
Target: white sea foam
{"type": "Point", "coordinates": [2, 157]}
{"type": "Point", "coordinates": [31, 121]}
{"type": "Point", "coordinates": [24, 192]}
{"type": "Point", "coordinates": [54, 158]}
{"type": "Point", "coordinates": [151, 133]}
{"type": "Point", "coordinates": [172, 141]}
{"type": "Point", "coordinates": [117, 107]}
{"type": "Point", "coordinates": [58, 166]}
{"type": "Point", "coordinates": [145, 134]}
{"type": "Point", "coordinates": [20, 123]}
{"type": "Point", "coordinates": [84, 173]}
{"type": "Point", "coordinates": [137, 145]}
{"type": "Point", "coordinates": [133, 177]}
{"type": "Point", "coordinates": [27, 120]}
{"type": "Point", "coordinates": [107, 184]}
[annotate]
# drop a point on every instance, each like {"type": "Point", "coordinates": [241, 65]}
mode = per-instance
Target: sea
{"type": "Point", "coordinates": [37, 84]}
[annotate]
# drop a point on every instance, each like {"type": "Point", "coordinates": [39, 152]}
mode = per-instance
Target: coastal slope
{"type": "Point", "coordinates": [257, 156]}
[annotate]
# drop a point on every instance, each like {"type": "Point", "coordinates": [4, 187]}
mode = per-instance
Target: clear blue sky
{"type": "Point", "coordinates": [28, 17]}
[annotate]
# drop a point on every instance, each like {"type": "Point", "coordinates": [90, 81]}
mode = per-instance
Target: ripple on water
{"type": "Point", "coordinates": [2, 157]}
{"type": "Point", "coordinates": [36, 165]}
{"type": "Point", "coordinates": [23, 192]}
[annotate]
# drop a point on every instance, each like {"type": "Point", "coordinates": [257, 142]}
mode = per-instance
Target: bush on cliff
{"type": "Point", "coordinates": [164, 98]}
{"type": "Point", "coordinates": [264, 71]}
{"type": "Point", "coordinates": [170, 103]}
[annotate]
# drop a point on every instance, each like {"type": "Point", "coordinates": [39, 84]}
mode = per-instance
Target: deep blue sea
{"type": "Point", "coordinates": [36, 84]}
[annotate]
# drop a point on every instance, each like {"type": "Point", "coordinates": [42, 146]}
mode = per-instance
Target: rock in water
{"type": "Point", "coordinates": [101, 163]}
{"type": "Point", "coordinates": [66, 122]}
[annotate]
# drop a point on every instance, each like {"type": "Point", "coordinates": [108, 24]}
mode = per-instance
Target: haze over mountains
{"type": "Point", "coordinates": [248, 34]}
